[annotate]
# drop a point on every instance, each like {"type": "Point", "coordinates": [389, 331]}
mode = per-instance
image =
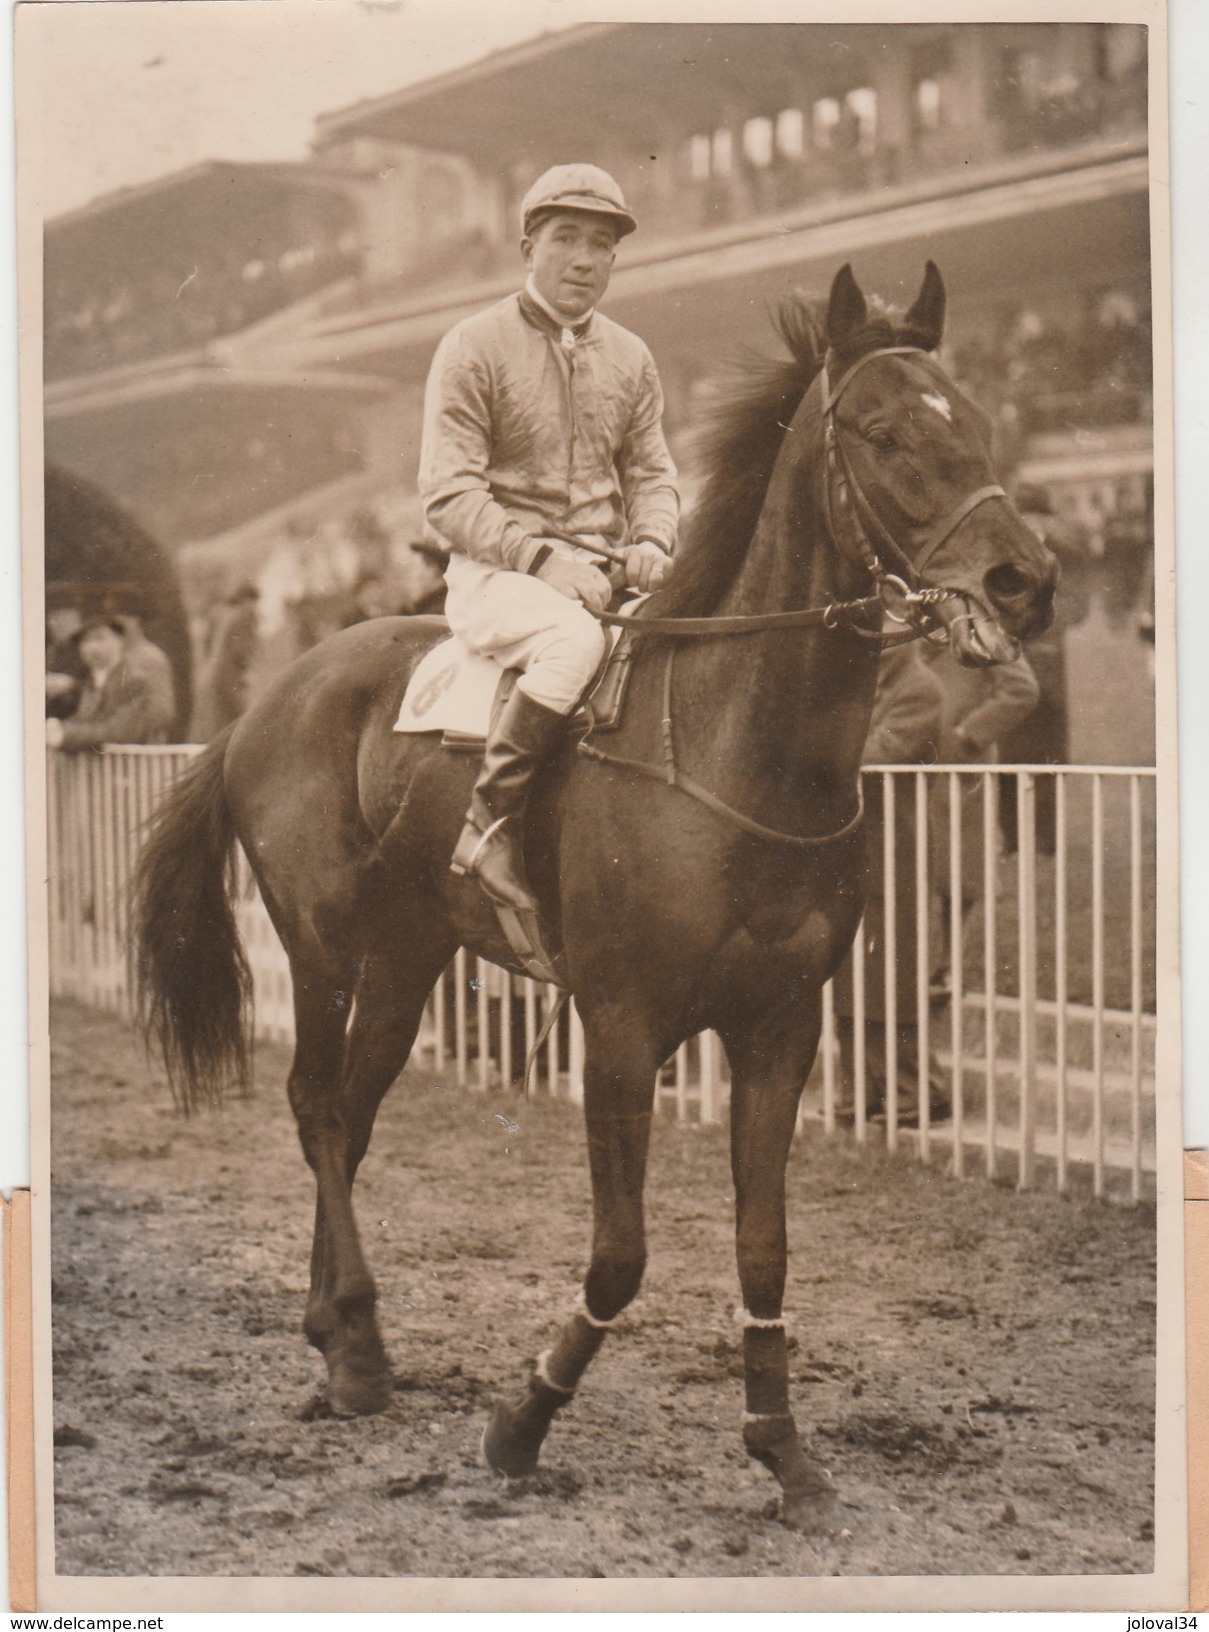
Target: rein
{"type": "Point", "coordinates": [842, 495]}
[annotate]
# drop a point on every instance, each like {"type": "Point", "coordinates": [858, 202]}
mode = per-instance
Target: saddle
{"type": "Point", "coordinates": [458, 692]}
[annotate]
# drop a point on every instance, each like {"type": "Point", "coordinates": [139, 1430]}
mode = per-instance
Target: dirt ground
{"type": "Point", "coordinates": [973, 1365]}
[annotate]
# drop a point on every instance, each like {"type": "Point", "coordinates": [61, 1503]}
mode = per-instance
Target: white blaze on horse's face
{"type": "Point", "coordinates": [940, 404]}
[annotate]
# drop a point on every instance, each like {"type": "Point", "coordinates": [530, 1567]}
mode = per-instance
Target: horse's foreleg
{"type": "Point", "coordinates": [769, 1066]}
{"type": "Point", "coordinates": [619, 1092]}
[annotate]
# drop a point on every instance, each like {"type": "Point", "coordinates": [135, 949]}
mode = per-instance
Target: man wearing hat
{"type": "Point", "coordinates": [542, 425]}
{"type": "Point", "coordinates": [122, 701]}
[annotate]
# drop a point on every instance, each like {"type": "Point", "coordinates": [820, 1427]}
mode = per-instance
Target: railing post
{"type": "Point", "coordinates": [923, 963]}
{"type": "Point", "coordinates": [1060, 976]}
{"type": "Point", "coordinates": [991, 786]}
{"type": "Point", "coordinates": [890, 959]}
{"type": "Point", "coordinates": [956, 974]}
{"type": "Point", "coordinates": [1026, 896]}
{"type": "Point", "coordinates": [1097, 980]}
{"type": "Point", "coordinates": [459, 1016]}
{"type": "Point", "coordinates": [828, 1051]}
{"type": "Point", "coordinates": [858, 1032]}
{"type": "Point", "coordinates": [575, 1049]}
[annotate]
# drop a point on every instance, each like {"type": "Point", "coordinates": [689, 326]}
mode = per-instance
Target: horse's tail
{"type": "Point", "coordinates": [192, 979]}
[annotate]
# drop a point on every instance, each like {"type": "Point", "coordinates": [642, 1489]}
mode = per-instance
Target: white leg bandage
{"type": "Point", "coordinates": [745, 1318]}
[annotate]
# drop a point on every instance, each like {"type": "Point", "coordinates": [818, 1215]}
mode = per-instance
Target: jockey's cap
{"type": "Point", "coordinates": [577, 187]}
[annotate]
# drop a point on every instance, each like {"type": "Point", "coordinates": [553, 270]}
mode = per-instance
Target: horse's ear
{"type": "Point", "coordinates": [846, 309]}
{"type": "Point", "coordinates": [927, 317]}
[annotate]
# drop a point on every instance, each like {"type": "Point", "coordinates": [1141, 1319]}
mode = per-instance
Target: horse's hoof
{"type": "Point", "coordinates": [812, 1513]}
{"type": "Point", "coordinates": [502, 1449]}
{"type": "Point", "coordinates": [358, 1393]}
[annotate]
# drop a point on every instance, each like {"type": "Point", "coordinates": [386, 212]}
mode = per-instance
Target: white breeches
{"type": "Point", "coordinates": [524, 624]}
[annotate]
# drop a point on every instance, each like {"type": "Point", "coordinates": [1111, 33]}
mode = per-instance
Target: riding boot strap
{"type": "Point", "coordinates": [491, 843]}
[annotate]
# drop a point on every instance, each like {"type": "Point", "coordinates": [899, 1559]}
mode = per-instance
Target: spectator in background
{"type": "Point", "coordinates": [1043, 736]}
{"type": "Point", "coordinates": [371, 598]}
{"type": "Point", "coordinates": [144, 659]}
{"type": "Point", "coordinates": [65, 672]}
{"type": "Point", "coordinates": [121, 701]}
{"type": "Point", "coordinates": [980, 707]}
{"type": "Point", "coordinates": [428, 591]}
{"type": "Point", "coordinates": [232, 642]}
{"type": "Point", "coordinates": [905, 730]}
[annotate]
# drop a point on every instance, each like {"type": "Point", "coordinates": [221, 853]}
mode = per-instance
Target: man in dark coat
{"type": "Point", "coordinates": [127, 698]}
{"type": "Point", "coordinates": [905, 730]}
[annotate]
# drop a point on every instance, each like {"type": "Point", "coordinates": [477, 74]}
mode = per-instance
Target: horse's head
{"type": "Point", "coordinates": [910, 487]}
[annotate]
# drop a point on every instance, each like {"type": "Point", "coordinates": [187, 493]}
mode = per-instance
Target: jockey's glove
{"type": "Point", "coordinates": [577, 580]}
{"type": "Point", "coordinates": [646, 565]}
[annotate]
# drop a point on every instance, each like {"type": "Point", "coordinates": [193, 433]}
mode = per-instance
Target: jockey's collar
{"type": "Point", "coordinates": [542, 315]}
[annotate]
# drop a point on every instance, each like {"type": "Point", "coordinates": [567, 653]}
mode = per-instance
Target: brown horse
{"type": "Point", "coordinates": [724, 901]}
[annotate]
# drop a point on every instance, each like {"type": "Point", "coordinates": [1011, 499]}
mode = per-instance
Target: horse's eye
{"type": "Point", "coordinates": [880, 437]}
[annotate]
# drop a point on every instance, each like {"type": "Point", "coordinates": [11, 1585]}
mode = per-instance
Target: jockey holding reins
{"type": "Point", "coordinates": [540, 414]}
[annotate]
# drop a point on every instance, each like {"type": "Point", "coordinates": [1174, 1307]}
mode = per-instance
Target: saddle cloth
{"type": "Point", "coordinates": [454, 688]}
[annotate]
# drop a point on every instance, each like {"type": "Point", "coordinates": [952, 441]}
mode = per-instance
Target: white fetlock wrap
{"type": "Point", "coordinates": [581, 1308]}
{"type": "Point", "coordinates": [541, 1370]}
{"type": "Point", "coordinates": [750, 1417]}
{"type": "Point", "coordinates": [745, 1318]}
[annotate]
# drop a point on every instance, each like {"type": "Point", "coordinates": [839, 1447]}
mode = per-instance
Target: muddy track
{"type": "Point", "coordinates": [974, 1366]}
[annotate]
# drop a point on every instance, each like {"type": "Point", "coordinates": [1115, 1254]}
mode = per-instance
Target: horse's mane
{"type": "Point", "coordinates": [740, 440]}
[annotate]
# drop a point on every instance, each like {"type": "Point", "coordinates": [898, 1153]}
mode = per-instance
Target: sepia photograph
{"type": "Point", "coordinates": [600, 642]}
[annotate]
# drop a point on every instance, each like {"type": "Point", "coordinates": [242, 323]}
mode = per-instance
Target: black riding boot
{"type": "Point", "coordinates": [491, 845]}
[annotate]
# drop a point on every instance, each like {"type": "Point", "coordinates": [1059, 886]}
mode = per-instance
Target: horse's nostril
{"type": "Point", "coordinates": [1006, 583]}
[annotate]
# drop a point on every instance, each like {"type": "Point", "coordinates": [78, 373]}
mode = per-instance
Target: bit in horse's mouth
{"type": "Point", "coordinates": [976, 636]}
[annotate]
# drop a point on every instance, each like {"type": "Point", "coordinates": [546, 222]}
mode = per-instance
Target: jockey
{"type": "Point", "coordinates": [541, 420]}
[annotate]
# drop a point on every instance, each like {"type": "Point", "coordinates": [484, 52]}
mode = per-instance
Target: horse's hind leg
{"type": "Point", "coordinates": [770, 1061]}
{"type": "Point", "coordinates": [620, 1067]}
{"type": "Point", "coordinates": [340, 1316]}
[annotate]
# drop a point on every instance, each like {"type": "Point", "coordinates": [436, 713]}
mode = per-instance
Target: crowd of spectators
{"type": "Point", "coordinates": [146, 311]}
{"type": "Point", "coordinates": [1061, 370]}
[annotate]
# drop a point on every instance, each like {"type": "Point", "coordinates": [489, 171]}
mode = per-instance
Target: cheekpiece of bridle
{"type": "Point", "coordinates": [906, 599]}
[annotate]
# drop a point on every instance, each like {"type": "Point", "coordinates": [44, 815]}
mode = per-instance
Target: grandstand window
{"type": "Point", "coordinates": [723, 151]}
{"type": "Point", "coordinates": [931, 72]}
{"type": "Point", "coordinates": [291, 259]}
{"type": "Point", "coordinates": [1121, 50]}
{"type": "Point", "coordinates": [824, 118]}
{"type": "Point", "coordinates": [861, 104]}
{"type": "Point", "coordinates": [757, 142]}
{"type": "Point", "coordinates": [929, 105]}
{"type": "Point", "coordinates": [791, 133]}
{"type": "Point", "coordinates": [698, 157]}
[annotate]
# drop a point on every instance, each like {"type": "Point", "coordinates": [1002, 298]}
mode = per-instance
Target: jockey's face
{"type": "Point", "coordinates": [570, 257]}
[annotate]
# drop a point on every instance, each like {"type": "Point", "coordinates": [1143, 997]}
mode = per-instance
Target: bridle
{"type": "Point", "coordinates": [843, 497]}
{"type": "Point", "coordinates": [846, 510]}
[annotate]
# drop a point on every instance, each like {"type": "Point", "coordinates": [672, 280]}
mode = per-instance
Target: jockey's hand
{"type": "Point", "coordinates": [54, 733]}
{"type": "Point", "coordinates": [576, 580]}
{"type": "Point", "coordinates": [646, 566]}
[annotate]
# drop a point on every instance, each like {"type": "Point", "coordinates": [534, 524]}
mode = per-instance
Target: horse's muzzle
{"type": "Point", "coordinates": [1022, 594]}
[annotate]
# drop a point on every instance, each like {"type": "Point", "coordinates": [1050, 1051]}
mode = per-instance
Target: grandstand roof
{"type": "Point", "coordinates": [539, 97]}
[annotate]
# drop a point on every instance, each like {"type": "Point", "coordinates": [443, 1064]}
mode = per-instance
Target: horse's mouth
{"type": "Point", "coordinates": [976, 636]}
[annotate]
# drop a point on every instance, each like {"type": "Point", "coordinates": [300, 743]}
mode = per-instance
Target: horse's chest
{"type": "Point", "coordinates": [804, 924]}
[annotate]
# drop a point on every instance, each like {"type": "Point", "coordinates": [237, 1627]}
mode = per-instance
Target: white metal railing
{"type": "Point", "coordinates": [1022, 986]}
